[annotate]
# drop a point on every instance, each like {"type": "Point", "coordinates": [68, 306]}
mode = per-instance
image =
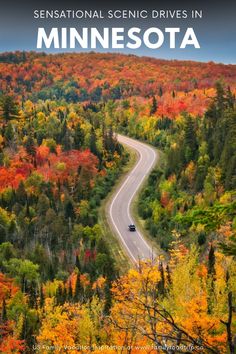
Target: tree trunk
{"type": "Point", "coordinates": [228, 324]}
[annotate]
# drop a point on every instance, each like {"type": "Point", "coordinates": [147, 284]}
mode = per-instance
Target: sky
{"type": "Point", "coordinates": [216, 31]}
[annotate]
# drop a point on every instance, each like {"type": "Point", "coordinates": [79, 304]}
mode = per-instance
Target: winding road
{"type": "Point", "coordinates": [119, 213]}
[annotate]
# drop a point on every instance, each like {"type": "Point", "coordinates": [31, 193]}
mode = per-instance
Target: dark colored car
{"type": "Point", "coordinates": [132, 228]}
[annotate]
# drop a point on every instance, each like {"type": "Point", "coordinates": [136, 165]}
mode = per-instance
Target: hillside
{"type": "Point", "coordinates": [94, 76]}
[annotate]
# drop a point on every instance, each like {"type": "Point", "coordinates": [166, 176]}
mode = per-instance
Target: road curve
{"type": "Point", "coordinates": [119, 212]}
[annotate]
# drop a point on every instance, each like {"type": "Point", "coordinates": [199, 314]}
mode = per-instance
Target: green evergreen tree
{"type": "Point", "coordinates": [92, 142]}
{"type": "Point", "coordinates": [220, 98]}
{"type": "Point", "coordinates": [21, 193]}
{"type": "Point", "coordinates": [190, 140]}
{"type": "Point", "coordinates": [88, 292]}
{"type": "Point", "coordinates": [9, 132]}
{"type": "Point", "coordinates": [78, 137]}
{"type": "Point", "coordinates": [70, 293]}
{"type": "Point", "coordinates": [211, 277]}
{"type": "Point", "coordinates": [229, 248]}
{"type": "Point", "coordinates": [153, 106]}
{"type": "Point", "coordinates": [211, 261]}
{"type": "Point", "coordinates": [32, 295]}
{"type": "Point", "coordinates": [4, 311]}
{"type": "Point", "coordinates": [77, 263]}
{"type": "Point", "coordinates": [31, 148]}
{"type": "Point", "coordinates": [8, 107]}
{"type": "Point", "coordinates": [78, 296]}
{"type": "Point", "coordinates": [168, 275]}
{"type": "Point", "coordinates": [108, 297]}
{"type": "Point", "coordinates": [41, 296]}
{"type": "Point", "coordinates": [69, 210]}
{"type": "Point", "coordinates": [160, 92]}
{"type": "Point", "coordinates": [230, 98]}
{"type": "Point", "coordinates": [228, 155]}
{"type": "Point", "coordinates": [60, 296]}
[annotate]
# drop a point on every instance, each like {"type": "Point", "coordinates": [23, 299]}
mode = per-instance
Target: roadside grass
{"type": "Point", "coordinates": [141, 222]}
{"type": "Point", "coordinates": [118, 253]}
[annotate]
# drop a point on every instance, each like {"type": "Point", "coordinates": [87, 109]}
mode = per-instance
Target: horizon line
{"type": "Point", "coordinates": [114, 53]}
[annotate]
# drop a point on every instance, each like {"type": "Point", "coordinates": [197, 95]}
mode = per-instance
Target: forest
{"type": "Point", "coordinates": [61, 288]}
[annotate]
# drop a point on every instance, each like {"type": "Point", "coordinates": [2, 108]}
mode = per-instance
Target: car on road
{"type": "Point", "coordinates": [132, 227]}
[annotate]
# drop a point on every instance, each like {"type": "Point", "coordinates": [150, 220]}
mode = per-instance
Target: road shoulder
{"type": "Point", "coordinates": [116, 247]}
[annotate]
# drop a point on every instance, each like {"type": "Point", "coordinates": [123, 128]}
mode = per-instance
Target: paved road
{"type": "Point", "coordinates": [119, 212]}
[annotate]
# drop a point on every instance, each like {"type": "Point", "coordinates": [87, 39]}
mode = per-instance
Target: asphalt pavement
{"type": "Point", "coordinates": [119, 212]}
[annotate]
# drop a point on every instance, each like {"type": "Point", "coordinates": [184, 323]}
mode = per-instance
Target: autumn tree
{"type": "Point", "coordinates": [141, 316]}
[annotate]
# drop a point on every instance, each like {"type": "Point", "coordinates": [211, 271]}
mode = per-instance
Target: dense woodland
{"type": "Point", "coordinates": [59, 158]}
